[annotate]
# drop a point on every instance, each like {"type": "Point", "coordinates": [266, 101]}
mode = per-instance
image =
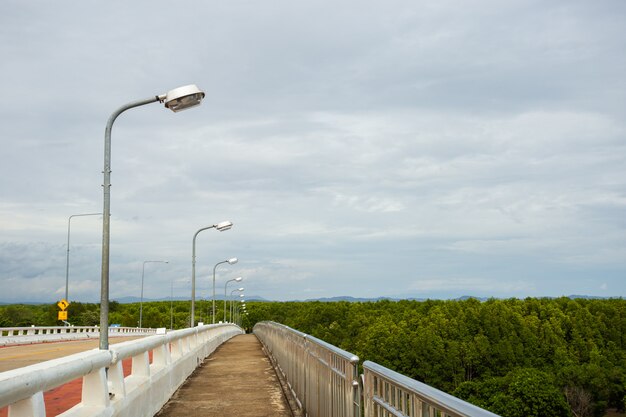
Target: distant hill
{"type": "Point", "coordinates": [129, 300]}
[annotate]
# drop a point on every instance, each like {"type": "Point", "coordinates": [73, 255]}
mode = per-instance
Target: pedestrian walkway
{"type": "Point", "coordinates": [236, 380]}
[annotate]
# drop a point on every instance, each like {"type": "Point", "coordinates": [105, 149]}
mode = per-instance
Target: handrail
{"type": "Point", "coordinates": [322, 377]}
{"type": "Point", "coordinates": [386, 391]}
{"type": "Point", "coordinates": [45, 330]}
{"type": "Point", "coordinates": [41, 334]}
{"type": "Point", "coordinates": [106, 391]}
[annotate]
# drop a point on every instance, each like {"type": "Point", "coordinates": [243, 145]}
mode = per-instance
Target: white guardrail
{"type": "Point", "coordinates": [29, 335]}
{"type": "Point", "coordinates": [105, 390]}
{"type": "Point", "coordinates": [322, 377]}
{"type": "Point", "coordinates": [324, 380]}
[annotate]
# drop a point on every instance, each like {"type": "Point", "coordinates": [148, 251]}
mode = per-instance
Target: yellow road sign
{"type": "Point", "coordinates": [63, 304]}
{"type": "Point", "coordinates": [62, 315]}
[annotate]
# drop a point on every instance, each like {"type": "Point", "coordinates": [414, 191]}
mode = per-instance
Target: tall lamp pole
{"type": "Point", "coordinates": [222, 226]}
{"type": "Point", "coordinates": [176, 100]}
{"type": "Point", "coordinates": [231, 303]}
{"type": "Point", "coordinates": [143, 270]}
{"type": "Point", "coordinates": [67, 261]}
{"type": "Point", "coordinates": [230, 261]}
{"type": "Point", "coordinates": [172, 306]}
{"type": "Point", "coordinates": [238, 279]}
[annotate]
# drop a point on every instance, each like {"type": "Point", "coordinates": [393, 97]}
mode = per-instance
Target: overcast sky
{"type": "Point", "coordinates": [363, 148]}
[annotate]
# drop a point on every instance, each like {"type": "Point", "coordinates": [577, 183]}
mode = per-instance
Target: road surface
{"type": "Point", "coordinates": [13, 357]}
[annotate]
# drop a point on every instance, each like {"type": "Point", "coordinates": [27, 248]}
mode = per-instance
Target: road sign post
{"type": "Point", "coordinates": [63, 304]}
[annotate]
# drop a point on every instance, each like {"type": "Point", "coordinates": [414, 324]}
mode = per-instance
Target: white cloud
{"type": "Point", "coordinates": [415, 140]}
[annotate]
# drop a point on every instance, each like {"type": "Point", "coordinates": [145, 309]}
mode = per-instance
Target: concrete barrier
{"type": "Point", "coordinates": [30, 335]}
{"type": "Point", "coordinates": [105, 390]}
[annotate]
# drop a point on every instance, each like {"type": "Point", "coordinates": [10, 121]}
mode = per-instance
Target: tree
{"type": "Point", "coordinates": [579, 401]}
{"type": "Point", "coordinates": [521, 393]}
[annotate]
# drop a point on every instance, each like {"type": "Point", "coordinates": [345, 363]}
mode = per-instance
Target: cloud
{"type": "Point", "coordinates": [483, 145]}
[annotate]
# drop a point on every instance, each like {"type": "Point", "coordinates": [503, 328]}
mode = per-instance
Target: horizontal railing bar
{"type": "Point", "coordinates": [445, 402]}
{"type": "Point", "coordinates": [21, 383]}
{"type": "Point", "coordinates": [387, 407]}
{"type": "Point", "coordinates": [134, 347]}
{"type": "Point", "coordinates": [334, 349]}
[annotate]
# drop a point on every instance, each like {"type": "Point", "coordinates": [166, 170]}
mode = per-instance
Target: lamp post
{"type": "Point", "coordinates": [143, 270]}
{"type": "Point", "coordinates": [238, 313]}
{"type": "Point", "coordinates": [244, 311]}
{"type": "Point", "coordinates": [222, 226]}
{"type": "Point", "coordinates": [176, 100]}
{"type": "Point", "coordinates": [230, 261]}
{"type": "Point", "coordinates": [67, 261]}
{"type": "Point", "coordinates": [172, 306]}
{"type": "Point", "coordinates": [231, 303]}
{"type": "Point", "coordinates": [232, 306]}
{"type": "Point", "coordinates": [238, 279]}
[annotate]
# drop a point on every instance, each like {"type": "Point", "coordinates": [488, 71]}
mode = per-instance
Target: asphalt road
{"type": "Point", "coordinates": [13, 357]}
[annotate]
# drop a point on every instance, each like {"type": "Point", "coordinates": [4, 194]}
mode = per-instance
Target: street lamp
{"type": "Point", "coordinates": [176, 100]}
{"type": "Point", "coordinates": [238, 314]}
{"type": "Point", "coordinates": [232, 306]}
{"type": "Point", "coordinates": [230, 261]}
{"type": "Point", "coordinates": [231, 303]}
{"type": "Point", "coordinates": [238, 279]}
{"type": "Point", "coordinates": [172, 306]}
{"type": "Point", "coordinates": [143, 270]}
{"type": "Point", "coordinates": [67, 261]}
{"type": "Point", "coordinates": [222, 226]}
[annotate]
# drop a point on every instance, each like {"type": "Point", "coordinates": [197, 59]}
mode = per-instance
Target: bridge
{"type": "Point", "coordinates": [219, 370]}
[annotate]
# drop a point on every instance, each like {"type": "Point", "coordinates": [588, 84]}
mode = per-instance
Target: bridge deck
{"type": "Point", "coordinates": [237, 379]}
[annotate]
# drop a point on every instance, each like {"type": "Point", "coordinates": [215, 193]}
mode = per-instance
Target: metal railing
{"type": "Point", "coordinates": [322, 377]}
{"type": "Point", "coordinates": [105, 389]}
{"type": "Point", "coordinates": [388, 393]}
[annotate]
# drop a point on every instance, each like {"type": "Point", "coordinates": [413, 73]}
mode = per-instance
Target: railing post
{"type": "Point", "coordinates": [161, 356]}
{"type": "Point", "coordinates": [29, 407]}
{"type": "Point", "coordinates": [141, 364]}
{"type": "Point", "coordinates": [116, 377]}
{"type": "Point", "coordinates": [95, 389]}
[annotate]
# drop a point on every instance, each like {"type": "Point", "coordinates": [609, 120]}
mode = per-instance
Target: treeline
{"type": "Point", "coordinates": [532, 357]}
{"type": "Point", "coordinates": [155, 314]}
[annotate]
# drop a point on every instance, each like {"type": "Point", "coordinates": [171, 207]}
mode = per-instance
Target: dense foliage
{"type": "Point", "coordinates": [532, 357]}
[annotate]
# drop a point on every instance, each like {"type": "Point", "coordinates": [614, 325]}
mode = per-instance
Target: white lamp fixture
{"type": "Point", "coordinates": [182, 98]}
{"type": "Point", "coordinates": [223, 226]}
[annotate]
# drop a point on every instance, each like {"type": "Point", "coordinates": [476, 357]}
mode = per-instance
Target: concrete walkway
{"type": "Point", "coordinates": [236, 380]}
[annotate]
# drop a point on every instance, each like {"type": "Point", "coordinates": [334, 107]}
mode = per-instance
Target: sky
{"type": "Point", "coordinates": [427, 149]}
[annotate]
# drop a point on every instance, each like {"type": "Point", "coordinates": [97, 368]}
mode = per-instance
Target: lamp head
{"type": "Point", "coordinates": [238, 279]}
{"type": "Point", "coordinates": [241, 295]}
{"type": "Point", "coordinates": [223, 226]}
{"type": "Point", "coordinates": [232, 261]}
{"type": "Point", "coordinates": [182, 98]}
{"type": "Point", "coordinates": [240, 289]}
